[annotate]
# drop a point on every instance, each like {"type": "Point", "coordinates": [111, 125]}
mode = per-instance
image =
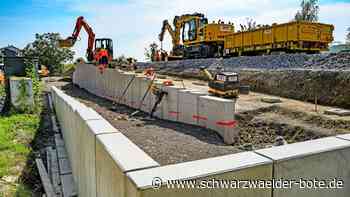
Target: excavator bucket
{"type": "Point", "coordinates": [66, 43]}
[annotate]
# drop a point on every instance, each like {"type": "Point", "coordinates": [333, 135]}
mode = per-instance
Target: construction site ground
{"type": "Point", "coordinates": [259, 122]}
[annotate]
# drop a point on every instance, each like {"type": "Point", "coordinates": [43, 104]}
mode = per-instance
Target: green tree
{"type": "Point", "coordinates": [45, 47]}
{"type": "Point", "coordinates": [121, 60]}
{"type": "Point", "coordinates": [309, 11]}
{"type": "Point", "coordinates": [151, 51]}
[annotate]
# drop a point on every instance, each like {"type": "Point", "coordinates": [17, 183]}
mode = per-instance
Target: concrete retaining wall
{"type": "Point", "coordinates": [323, 159]}
{"type": "Point", "coordinates": [106, 163]}
{"type": "Point", "coordinates": [88, 142]}
{"type": "Point", "coordinates": [181, 105]}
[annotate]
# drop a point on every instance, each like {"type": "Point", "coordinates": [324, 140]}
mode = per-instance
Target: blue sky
{"type": "Point", "coordinates": [133, 24]}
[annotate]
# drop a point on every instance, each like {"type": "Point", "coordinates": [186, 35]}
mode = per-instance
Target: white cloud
{"type": "Point", "coordinates": [135, 24]}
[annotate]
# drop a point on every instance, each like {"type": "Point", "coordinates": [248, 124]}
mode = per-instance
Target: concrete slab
{"type": "Point", "coordinates": [171, 103]}
{"type": "Point", "coordinates": [271, 100]}
{"type": "Point", "coordinates": [199, 169]}
{"type": "Point", "coordinates": [100, 77]}
{"type": "Point", "coordinates": [87, 113]}
{"type": "Point", "coordinates": [16, 85]}
{"type": "Point", "coordinates": [125, 154]}
{"type": "Point", "coordinates": [110, 180]}
{"type": "Point", "coordinates": [129, 97]}
{"type": "Point", "coordinates": [64, 166]}
{"type": "Point", "coordinates": [189, 106]}
{"type": "Point", "coordinates": [136, 92]}
{"type": "Point", "coordinates": [302, 149]}
{"type": "Point", "coordinates": [114, 84]}
{"type": "Point", "coordinates": [218, 114]}
{"type": "Point", "coordinates": [101, 126]}
{"type": "Point", "coordinates": [325, 160]}
{"type": "Point", "coordinates": [159, 111]}
{"type": "Point", "coordinates": [344, 137]}
{"type": "Point", "coordinates": [146, 104]}
{"type": "Point", "coordinates": [68, 186]}
{"type": "Point", "coordinates": [338, 112]}
{"type": "Point", "coordinates": [59, 140]}
{"type": "Point", "coordinates": [61, 152]}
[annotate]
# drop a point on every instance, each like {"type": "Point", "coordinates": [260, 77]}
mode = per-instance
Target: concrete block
{"type": "Point", "coordinates": [136, 92]}
{"type": "Point", "coordinates": [122, 151]}
{"type": "Point", "coordinates": [101, 78]}
{"type": "Point", "coordinates": [84, 153]}
{"type": "Point", "coordinates": [171, 103]}
{"type": "Point", "coordinates": [87, 113]}
{"type": "Point", "coordinates": [116, 155]}
{"type": "Point", "coordinates": [64, 166]}
{"type": "Point", "coordinates": [241, 166]}
{"type": "Point", "coordinates": [188, 106]}
{"type": "Point", "coordinates": [338, 112]}
{"type": "Point", "coordinates": [68, 186]}
{"type": "Point", "coordinates": [159, 111]}
{"type": "Point", "coordinates": [129, 97]}
{"type": "Point", "coordinates": [100, 126]}
{"type": "Point", "coordinates": [21, 91]}
{"type": "Point", "coordinates": [111, 83]}
{"type": "Point", "coordinates": [123, 83]}
{"type": "Point", "coordinates": [61, 152]}
{"type": "Point", "coordinates": [220, 116]}
{"type": "Point", "coordinates": [322, 159]}
{"type": "Point", "coordinates": [84, 162]}
{"type": "Point", "coordinates": [89, 77]}
{"type": "Point", "coordinates": [146, 103]}
{"type": "Point", "coordinates": [344, 137]}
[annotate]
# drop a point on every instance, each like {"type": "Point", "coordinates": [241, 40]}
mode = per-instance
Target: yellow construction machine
{"type": "Point", "coordinates": [222, 84]}
{"type": "Point", "coordinates": [193, 37]}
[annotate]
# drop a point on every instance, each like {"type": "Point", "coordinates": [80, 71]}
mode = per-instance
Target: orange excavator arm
{"type": "Point", "coordinates": [70, 41]}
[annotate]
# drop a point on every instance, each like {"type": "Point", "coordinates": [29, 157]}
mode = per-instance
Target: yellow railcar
{"type": "Point", "coordinates": [288, 37]}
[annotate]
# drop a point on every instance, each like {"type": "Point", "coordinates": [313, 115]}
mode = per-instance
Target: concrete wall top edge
{"type": "Point", "coordinates": [198, 169]}
{"type": "Point", "coordinates": [302, 149]}
{"type": "Point", "coordinates": [73, 103]}
{"type": "Point", "coordinates": [165, 88]}
{"type": "Point", "coordinates": [87, 113]}
{"type": "Point", "coordinates": [218, 99]}
{"type": "Point", "coordinates": [101, 126]}
{"type": "Point", "coordinates": [125, 153]}
{"type": "Point", "coordinates": [344, 137]}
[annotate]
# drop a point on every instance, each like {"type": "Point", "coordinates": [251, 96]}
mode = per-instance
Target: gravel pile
{"type": "Point", "coordinates": [339, 61]}
{"type": "Point", "coordinates": [284, 61]}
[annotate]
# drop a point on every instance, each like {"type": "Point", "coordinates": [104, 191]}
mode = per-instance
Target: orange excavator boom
{"type": "Point", "coordinates": [70, 41]}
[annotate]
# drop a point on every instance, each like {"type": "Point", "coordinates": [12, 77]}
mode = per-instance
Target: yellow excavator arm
{"type": "Point", "coordinates": [174, 34]}
{"type": "Point", "coordinates": [206, 73]}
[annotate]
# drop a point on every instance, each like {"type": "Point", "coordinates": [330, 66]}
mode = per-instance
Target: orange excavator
{"type": "Point", "coordinates": [99, 51]}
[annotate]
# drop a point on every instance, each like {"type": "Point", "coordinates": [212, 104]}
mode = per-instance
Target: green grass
{"type": "Point", "coordinates": [16, 133]}
{"type": "Point", "coordinates": [2, 90]}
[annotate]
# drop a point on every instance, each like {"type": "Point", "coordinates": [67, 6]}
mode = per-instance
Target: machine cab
{"type": "Point", "coordinates": [105, 43]}
{"type": "Point", "coordinates": [228, 77]}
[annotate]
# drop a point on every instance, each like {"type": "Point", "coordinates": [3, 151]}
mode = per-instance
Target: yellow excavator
{"type": "Point", "coordinates": [193, 37]}
{"type": "Point", "coordinates": [222, 84]}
